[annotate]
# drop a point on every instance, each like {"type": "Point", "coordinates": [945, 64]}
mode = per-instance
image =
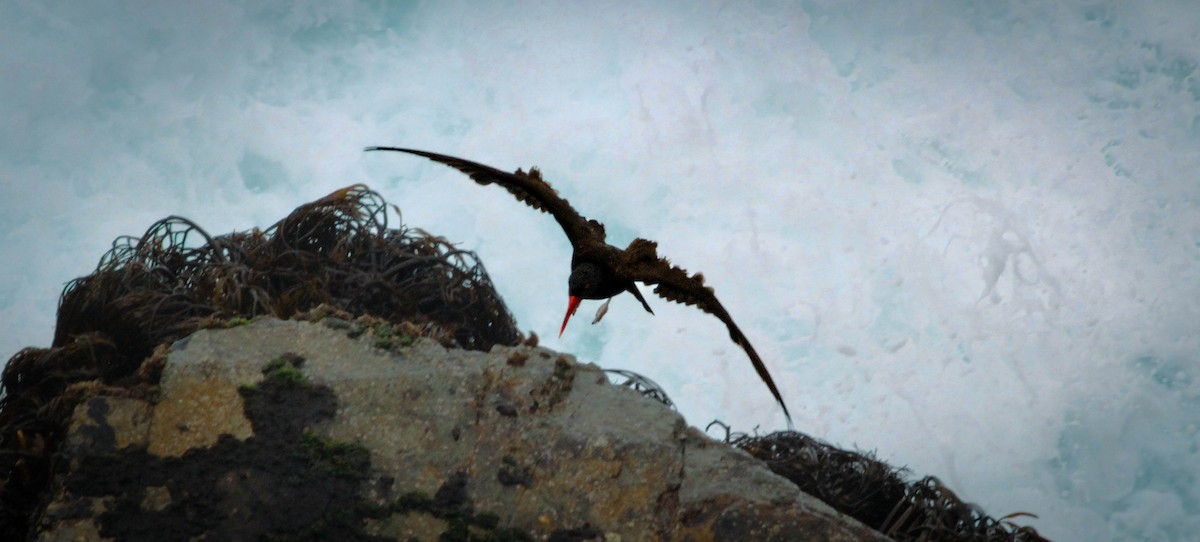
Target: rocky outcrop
{"type": "Point", "coordinates": [291, 430]}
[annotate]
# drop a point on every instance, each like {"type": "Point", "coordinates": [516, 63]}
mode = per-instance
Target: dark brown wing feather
{"type": "Point", "coordinates": [674, 284]}
{"type": "Point", "coordinates": [528, 188]}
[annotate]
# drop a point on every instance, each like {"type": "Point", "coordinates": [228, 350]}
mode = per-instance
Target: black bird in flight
{"type": "Point", "coordinates": [600, 270]}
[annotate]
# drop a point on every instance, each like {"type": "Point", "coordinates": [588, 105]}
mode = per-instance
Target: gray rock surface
{"type": "Point", "coordinates": [293, 430]}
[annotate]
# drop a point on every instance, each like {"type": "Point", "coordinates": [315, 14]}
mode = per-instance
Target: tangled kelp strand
{"type": "Point", "coordinates": [640, 384]}
{"type": "Point", "coordinates": [875, 493]}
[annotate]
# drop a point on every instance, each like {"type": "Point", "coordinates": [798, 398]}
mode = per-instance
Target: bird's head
{"type": "Point", "coordinates": [585, 279]}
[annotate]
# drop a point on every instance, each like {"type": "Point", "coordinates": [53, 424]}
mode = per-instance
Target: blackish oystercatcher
{"type": "Point", "coordinates": [600, 270]}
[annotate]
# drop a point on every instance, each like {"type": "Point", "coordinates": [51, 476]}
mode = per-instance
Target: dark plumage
{"type": "Point", "coordinates": [600, 270]}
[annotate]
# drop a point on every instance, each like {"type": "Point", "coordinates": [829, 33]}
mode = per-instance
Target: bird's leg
{"type": "Point", "coordinates": [601, 311]}
{"type": "Point", "coordinates": [633, 290]}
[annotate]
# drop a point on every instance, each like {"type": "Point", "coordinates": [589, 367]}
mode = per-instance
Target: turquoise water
{"type": "Point", "coordinates": [962, 234]}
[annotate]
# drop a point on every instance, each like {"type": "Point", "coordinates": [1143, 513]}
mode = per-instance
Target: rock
{"type": "Point", "coordinates": [286, 430]}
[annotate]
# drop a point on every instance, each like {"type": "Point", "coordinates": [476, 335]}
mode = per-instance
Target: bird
{"type": "Point", "coordinates": [600, 270]}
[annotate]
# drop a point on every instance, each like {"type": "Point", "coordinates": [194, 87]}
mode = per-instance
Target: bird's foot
{"type": "Point", "coordinates": [600, 312]}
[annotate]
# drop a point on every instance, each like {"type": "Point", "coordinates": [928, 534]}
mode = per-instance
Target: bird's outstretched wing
{"type": "Point", "coordinates": [528, 188]}
{"type": "Point", "coordinates": [674, 284]}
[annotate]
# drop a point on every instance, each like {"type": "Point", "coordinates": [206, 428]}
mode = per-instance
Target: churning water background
{"type": "Point", "coordinates": [965, 235]}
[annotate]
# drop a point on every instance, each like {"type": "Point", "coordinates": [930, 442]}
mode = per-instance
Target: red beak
{"type": "Point", "coordinates": [572, 306]}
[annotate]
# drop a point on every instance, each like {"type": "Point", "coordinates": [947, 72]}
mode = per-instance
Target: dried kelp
{"type": "Point", "coordinates": [640, 384]}
{"type": "Point", "coordinates": [876, 494]}
{"type": "Point", "coordinates": [337, 252]}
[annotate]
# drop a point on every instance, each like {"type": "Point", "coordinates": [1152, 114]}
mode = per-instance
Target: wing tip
{"type": "Point", "coordinates": [397, 149]}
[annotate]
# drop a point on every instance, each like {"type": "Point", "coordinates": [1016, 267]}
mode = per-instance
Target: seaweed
{"type": "Point", "coordinates": [877, 494]}
{"type": "Point", "coordinates": [640, 384]}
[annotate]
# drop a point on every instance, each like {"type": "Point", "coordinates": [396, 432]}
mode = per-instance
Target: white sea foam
{"type": "Point", "coordinates": [962, 234]}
